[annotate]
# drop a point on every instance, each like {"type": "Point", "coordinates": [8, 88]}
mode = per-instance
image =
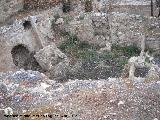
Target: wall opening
{"type": "Point", "coordinates": [66, 6]}
{"type": "Point", "coordinates": [27, 24]}
{"type": "Point", "coordinates": [88, 6]}
{"type": "Point", "coordinates": [23, 58]}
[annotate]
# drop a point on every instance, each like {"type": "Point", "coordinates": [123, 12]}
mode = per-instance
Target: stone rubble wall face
{"type": "Point", "coordinates": [133, 9]}
{"type": "Point", "coordinates": [9, 8]}
{"type": "Point", "coordinates": [128, 29]}
{"type": "Point", "coordinates": [15, 34]}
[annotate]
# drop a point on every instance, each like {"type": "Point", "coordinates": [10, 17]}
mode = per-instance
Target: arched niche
{"type": "Point", "coordinates": [23, 58]}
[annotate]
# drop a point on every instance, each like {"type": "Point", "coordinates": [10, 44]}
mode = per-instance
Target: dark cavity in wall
{"type": "Point", "coordinates": [27, 24]}
{"type": "Point", "coordinates": [141, 72]}
{"type": "Point", "coordinates": [23, 58]}
{"type": "Point", "coordinates": [66, 6]}
{"type": "Point", "coordinates": [88, 6]}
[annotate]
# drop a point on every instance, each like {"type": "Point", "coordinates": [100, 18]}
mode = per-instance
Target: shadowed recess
{"type": "Point", "coordinates": [23, 58]}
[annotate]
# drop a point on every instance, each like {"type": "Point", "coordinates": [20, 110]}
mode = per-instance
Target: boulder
{"type": "Point", "coordinates": [49, 56]}
{"type": "Point", "coordinates": [59, 21]}
{"type": "Point", "coordinates": [153, 74]}
{"type": "Point", "coordinates": [53, 61]}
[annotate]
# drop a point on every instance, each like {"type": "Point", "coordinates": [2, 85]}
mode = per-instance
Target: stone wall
{"type": "Point", "coordinates": [9, 8]}
{"type": "Point", "coordinates": [117, 28]}
{"type": "Point", "coordinates": [34, 37]}
{"type": "Point", "coordinates": [133, 9]}
{"type": "Point", "coordinates": [93, 28]}
{"type": "Point", "coordinates": [11, 36]}
{"type": "Point", "coordinates": [126, 28]}
{"type": "Point", "coordinates": [129, 29]}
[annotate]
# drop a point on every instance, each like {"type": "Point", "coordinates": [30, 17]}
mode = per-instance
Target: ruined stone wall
{"type": "Point", "coordinates": [152, 30]}
{"type": "Point", "coordinates": [133, 9]}
{"type": "Point", "coordinates": [129, 29]}
{"type": "Point", "coordinates": [11, 36]}
{"type": "Point", "coordinates": [33, 32]}
{"type": "Point", "coordinates": [139, 7]}
{"type": "Point", "coordinates": [9, 8]}
{"type": "Point", "coordinates": [93, 28]}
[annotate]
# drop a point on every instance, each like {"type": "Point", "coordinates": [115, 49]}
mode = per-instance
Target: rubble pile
{"type": "Point", "coordinates": [32, 93]}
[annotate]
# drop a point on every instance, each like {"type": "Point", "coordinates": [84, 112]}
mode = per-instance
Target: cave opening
{"type": "Point", "coordinates": [25, 59]}
{"type": "Point", "coordinates": [27, 25]}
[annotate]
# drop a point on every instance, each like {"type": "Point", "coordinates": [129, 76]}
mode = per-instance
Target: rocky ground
{"type": "Point", "coordinates": [32, 93]}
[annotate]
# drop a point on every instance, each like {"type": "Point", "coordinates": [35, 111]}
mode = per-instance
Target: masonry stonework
{"type": "Point", "coordinates": [99, 26]}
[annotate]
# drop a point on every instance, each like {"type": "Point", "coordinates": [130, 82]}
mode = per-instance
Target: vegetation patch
{"type": "Point", "coordinates": [127, 51]}
{"type": "Point", "coordinates": [74, 47]}
{"type": "Point", "coordinates": [96, 65]}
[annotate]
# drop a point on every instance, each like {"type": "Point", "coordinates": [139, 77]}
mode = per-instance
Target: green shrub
{"type": "Point", "coordinates": [122, 62]}
{"type": "Point", "coordinates": [88, 55]}
{"type": "Point", "coordinates": [107, 55]}
{"type": "Point", "coordinates": [128, 51]}
{"type": "Point", "coordinates": [77, 48]}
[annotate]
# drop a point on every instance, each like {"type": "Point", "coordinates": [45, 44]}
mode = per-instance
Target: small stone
{"type": "Point", "coordinates": [155, 119]}
{"type": "Point", "coordinates": [59, 21]}
{"type": "Point", "coordinates": [121, 103]}
{"type": "Point", "coordinates": [8, 111]}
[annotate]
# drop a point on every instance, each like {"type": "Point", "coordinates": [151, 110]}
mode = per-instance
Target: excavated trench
{"type": "Point", "coordinates": [23, 58]}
